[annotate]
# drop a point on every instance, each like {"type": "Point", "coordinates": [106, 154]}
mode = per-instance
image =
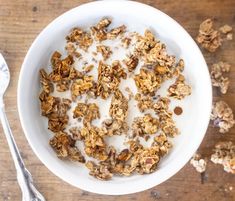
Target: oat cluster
{"type": "Point", "coordinates": [224, 154]}
{"type": "Point", "coordinates": [217, 76]}
{"type": "Point", "coordinates": [210, 38]}
{"type": "Point", "coordinates": [222, 115]}
{"type": "Point", "coordinates": [198, 163]}
{"type": "Point", "coordinates": [75, 117]}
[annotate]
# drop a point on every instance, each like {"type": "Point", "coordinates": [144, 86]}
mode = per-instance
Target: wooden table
{"type": "Point", "coordinates": [21, 21]}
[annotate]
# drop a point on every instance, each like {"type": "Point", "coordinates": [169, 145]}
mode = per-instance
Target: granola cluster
{"type": "Point", "coordinates": [211, 39]}
{"type": "Point", "coordinates": [217, 76]}
{"type": "Point", "coordinates": [222, 115]}
{"type": "Point", "coordinates": [179, 89]}
{"type": "Point", "coordinates": [224, 154]}
{"type": "Point", "coordinates": [198, 163]}
{"type": "Point", "coordinates": [75, 114]}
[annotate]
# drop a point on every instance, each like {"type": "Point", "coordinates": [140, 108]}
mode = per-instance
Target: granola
{"type": "Point", "coordinates": [94, 142]}
{"type": "Point", "coordinates": [222, 115]}
{"type": "Point", "coordinates": [198, 163]}
{"type": "Point", "coordinates": [131, 62]}
{"type": "Point", "coordinates": [145, 125]}
{"type": "Point", "coordinates": [109, 78]}
{"type": "Point", "coordinates": [144, 102]}
{"type": "Point", "coordinates": [88, 111]}
{"type": "Point", "coordinates": [224, 154]}
{"type": "Point", "coordinates": [81, 38]}
{"type": "Point", "coordinates": [147, 82]}
{"type": "Point", "coordinates": [179, 89]}
{"type": "Point", "coordinates": [119, 106]}
{"type": "Point", "coordinates": [104, 50]}
{"type": "Point", "coordinates": [82, 85]}
{"type": "Point", "coordinates": [217, 76]}
{"type": "Point", "coordinates": [65, 148]}
{"type": "Point", "coordinates": [209, 38]}
{"type": "Point", "coordinates": [73, 92]}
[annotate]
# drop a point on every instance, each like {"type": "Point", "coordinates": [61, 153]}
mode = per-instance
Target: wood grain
{"type": "Point", "coordinates": [20, 23]}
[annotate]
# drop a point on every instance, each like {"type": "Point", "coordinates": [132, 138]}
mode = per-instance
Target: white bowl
{"type": "Point", "coordinates": [193, 123]}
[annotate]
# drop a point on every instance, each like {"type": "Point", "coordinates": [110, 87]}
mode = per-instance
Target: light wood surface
{"type": "Point", "coordinates": [21, 21]}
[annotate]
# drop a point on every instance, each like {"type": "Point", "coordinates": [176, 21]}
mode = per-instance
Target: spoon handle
{"type": "Point", "coordinates": [29, 192]}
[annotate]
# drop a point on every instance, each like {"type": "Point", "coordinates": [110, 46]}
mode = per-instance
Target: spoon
{"type": "Point", "coordinates": [29, 192]}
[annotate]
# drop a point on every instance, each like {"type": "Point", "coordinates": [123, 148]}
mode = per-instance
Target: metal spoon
{"type": "Point", "coordinates": [29, 192]}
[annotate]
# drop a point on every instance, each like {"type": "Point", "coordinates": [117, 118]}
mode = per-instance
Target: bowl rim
{"type": "Point", "coordinates": [128, 189]}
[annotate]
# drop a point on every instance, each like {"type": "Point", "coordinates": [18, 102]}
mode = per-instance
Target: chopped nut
{"type": "Point", "coordinates": [65, 148]}
{"type": "Point", "coordinates": [198, 163]}
{"type": "Point", "coordinates": [104, 50]}
{"type": "Point", "coordinates": [222, 115]}
{"type": "Point", "coordinates": [208, 37]}
{"type": "Point", "coordinates": [179, 89]}
{"type": "Point", "coordinates": [225, 155]}
{"type": "Point", "coordinates": [217, 78]}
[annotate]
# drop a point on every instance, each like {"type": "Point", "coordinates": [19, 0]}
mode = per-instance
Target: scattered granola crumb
{"type": "Point", "coordinates": [198, 163]}
{"type": "Point", "coordinates": [217, 76]}
{"type": "Point", "coordinates": [225, 29]}
{"type": "Point", "coordinates": [229, 36]}
{"type": "Point", "coordinates": [222, 115]}
{"type": "Point", "coordinates": [224, 154]}
{"type": "Point", "coordinates": [208, 37]}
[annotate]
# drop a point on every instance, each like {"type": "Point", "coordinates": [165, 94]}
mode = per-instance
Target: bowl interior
{"type": "Point", "coordinates": [196, 108]}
